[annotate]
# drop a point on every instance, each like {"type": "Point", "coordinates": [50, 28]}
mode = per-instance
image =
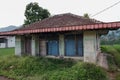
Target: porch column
{"type": "Point", "coordinates": [37, 42]}
{"type": "Point", "coordinates": [18, 49]}
{"type": "Point", "coordinates": [98, 44]}
{"type": "Point", "coordinates": [90, 46]}
{"type": "Point", "coordinates": [35, 45]}
{"type": "Point", "coordinates": [61, 45]}
{"type": "Point", "coordinates": [43, 48]}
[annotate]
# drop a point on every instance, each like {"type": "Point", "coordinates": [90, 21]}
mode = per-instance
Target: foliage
{"type": "Point", "coordinates": [111, 63]}
{"type": "Point", "coordinates": [113, 50]}
{"type": "Point", "coordinates": [35, 13]}
{"type": "Point", "coordinates": [113, 37]}
{"type": "Point", "coordinates": [80, 71]}
{"type": "Point", "coordinates": [86, 15]}
{"type": "Point", "coordinates": [22, 67]}
{"type": "Point", "coordinates": [39, 68]}
{"type": "Point", "coordinates": [117, 76]}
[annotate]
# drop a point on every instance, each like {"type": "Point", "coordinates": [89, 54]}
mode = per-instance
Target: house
{"type": "Point", "coordinates": [7, 41]}
{"type": "Point", "coordinates": [65, 35]}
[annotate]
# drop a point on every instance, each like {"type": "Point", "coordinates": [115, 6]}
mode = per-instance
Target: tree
{"type": "Point", "coordinates": [35, 13]}
{"type": "Point", "coordinates": [86, 15]}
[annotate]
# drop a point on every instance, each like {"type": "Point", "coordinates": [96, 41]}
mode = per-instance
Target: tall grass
{"type": "Point", "coordinates": [114, 51]}
{"type": "Point", "coordinates": [39, 68]}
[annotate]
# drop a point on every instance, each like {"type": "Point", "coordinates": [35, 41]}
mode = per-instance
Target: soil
{"type": "Point", "coordinates": [102, 61]}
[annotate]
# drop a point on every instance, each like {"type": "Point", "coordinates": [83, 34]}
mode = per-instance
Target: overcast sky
{"type": "Point", "coordinates": [12, 11]}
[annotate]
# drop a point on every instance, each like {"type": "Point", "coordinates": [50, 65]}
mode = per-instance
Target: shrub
{"type": "Point", "coordinates": [117, 76]}
{"type": "Point", "coordinates": [111, 64]}
{"type": "Point", "coordinates": [23, 67]}
{"type": "Point", "coordinates": [39, 68]}
{"type": "Point", "coordinates": [80, 71]}
{"type": "Point", "coordinates": [114, 52]}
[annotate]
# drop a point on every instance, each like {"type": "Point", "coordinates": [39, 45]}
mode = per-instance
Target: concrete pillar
{"type": "Point", "coordinates": [23, 45]}
{"type": "Point", "coordinates": [61, 45]}
{"type": "Point", "coordinates": [35, 45]}
{"type": "Point", "coordinates": [18, 45]}
{"type": "Point", "coordinates": [98, 44]}
{"type": "Point", "coordinates": [90, 46]}
{"type": "Point", "coordinates": [43, 48]}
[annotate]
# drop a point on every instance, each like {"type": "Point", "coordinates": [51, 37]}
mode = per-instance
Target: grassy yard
{"type": "Point", "coordinates": [39, 68]}
{"type": "Point", "coordinates": [6, 52]}
{"type": "Point", "coordinates": [113, 58]}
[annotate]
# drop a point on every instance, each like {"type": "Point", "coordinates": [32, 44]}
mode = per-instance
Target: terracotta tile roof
{"type": "Point", "coordinates": [110, 25]}
{"type": "Point", "coordinates": [61, 20]}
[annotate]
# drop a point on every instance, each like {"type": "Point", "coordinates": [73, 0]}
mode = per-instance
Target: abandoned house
{"type": "Point", "coordinates": [65, 35]}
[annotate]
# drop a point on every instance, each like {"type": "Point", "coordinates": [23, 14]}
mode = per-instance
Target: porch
{"type": "Point", "coordinates": [83, 45]}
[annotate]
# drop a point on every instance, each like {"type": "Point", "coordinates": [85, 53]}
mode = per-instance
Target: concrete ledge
{"type": "Point", "coordinates": [67, 57]}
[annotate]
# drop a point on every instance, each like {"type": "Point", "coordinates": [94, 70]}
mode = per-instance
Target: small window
{"type": "Point", "coordinates": [2, 40]}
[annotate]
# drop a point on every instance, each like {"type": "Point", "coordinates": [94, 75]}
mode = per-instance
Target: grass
{"type": "Point", "coordinates": [114, 51]}
{"type": "Point", "coordinates": [113, 58]}
{"type": "Point", "coordinates": [6, 52]}
{"type": "Point", "coordinates": [40, 68]}
{"type": "Point", "coordinates": [117, 76]}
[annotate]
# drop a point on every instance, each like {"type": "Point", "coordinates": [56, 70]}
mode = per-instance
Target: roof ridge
{"type": "Point", "coordinates": [74, 15]}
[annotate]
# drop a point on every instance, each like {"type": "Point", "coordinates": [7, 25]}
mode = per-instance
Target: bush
{"type": "Point", "coordinates": [38, 68]}
{"type": "Point", "coordinates": [111, 64]}
{"type": "Point", "coordinates": [114, 52]}
{"type": "Point", "coordinates": [80, 71]}
{"type": "Point", "coordinates": [117, 76]}
{"type": "Point", "coordinates": [23, 67]}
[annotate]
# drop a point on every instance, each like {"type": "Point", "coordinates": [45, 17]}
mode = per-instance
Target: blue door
{"type": "Point", "coordinates": [53, 48]}
{"type": "Point", "coordinates": [79, 45]}
{"type": "Point", "coordinates": [70, 45]}
{"type": "Point", "coordinates": [74, 45]}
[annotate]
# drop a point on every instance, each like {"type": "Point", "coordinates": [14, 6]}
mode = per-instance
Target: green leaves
{"type": "Point", "coordinates": [35, 13]}
{"type": "Point", "coordinates": [39, 68]}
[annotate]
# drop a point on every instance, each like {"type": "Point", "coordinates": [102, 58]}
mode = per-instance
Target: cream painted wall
{"type": "Point", "coordinates": [18, 45]}
{"type": "Point", "coordinates": [43, 49]}
{"type": "Point", "coordinates": [33, 46]}
{"type": "Point", "coordinates": [61, 45]}
{"type": "Point", "coordinates": [11, 41]}
{"type": "Point", "coordinates": [90, 51]}
{"type": "Point", "coordinates": [2, 45]}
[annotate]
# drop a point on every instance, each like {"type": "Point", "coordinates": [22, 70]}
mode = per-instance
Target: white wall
{"type": "Point", "coordinates": [11, 41]}
{"type": "Point", "coordinates": [2, 45]}
{"type": "Point", "coordinates": [18, 45]}
{"type": "Point", "coordinates": [90, 50]}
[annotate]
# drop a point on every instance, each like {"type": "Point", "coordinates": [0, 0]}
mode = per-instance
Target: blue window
{"type": "Point", "coordinates": [53, 45]}
{"type": "Point", "coordinates": [74, 45]}
{"type": "Point", "coordinates": [53, 48]}
{"type": "Point", "coordinates": [70, 45]}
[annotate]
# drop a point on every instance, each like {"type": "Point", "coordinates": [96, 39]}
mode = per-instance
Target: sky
{"type": "Point", "coordinates": [12, 11]}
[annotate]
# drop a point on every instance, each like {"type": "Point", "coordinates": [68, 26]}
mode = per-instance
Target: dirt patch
{"type": "Point", "coordinates": [4, 78]}
{"type": "Point", "coordinates": [102, 61]}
